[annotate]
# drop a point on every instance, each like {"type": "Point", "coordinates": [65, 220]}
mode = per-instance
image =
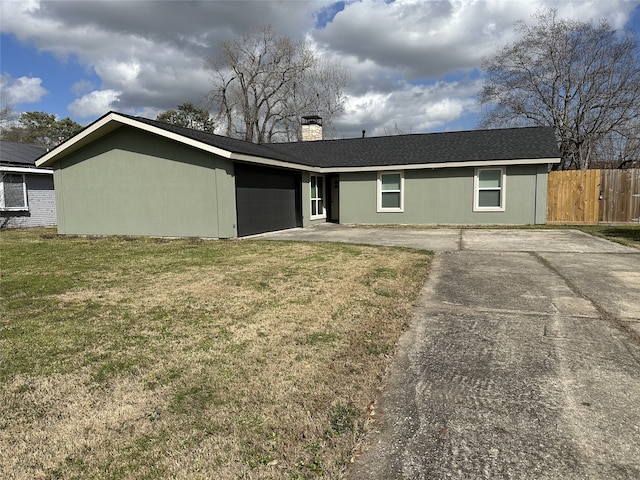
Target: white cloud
{"type": "Point", "coordinates": [408, 58]}
{"type": "Point", "coordinates": [21, 90]}
{"type": "Point", "coordinates": [389, 48]}
{"type": "Point", "coordinates": [425, 39]}
{"type": "Point", "coordinates": [409, 108]}
{"type": "Point", "coordinates": [122, 73]}
{"type": "Point", "coordinates": [94, 104]}
{"type": "Point", "coordinates": [82, 86]}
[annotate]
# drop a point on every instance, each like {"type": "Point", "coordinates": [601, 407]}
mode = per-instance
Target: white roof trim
{"type": "Point", "coordinates": [26, 170]}
{"type": "Point", "coordinates": [430, 166]}
{"type": "Point", "coordinates": [114, 118]}
{"type": "Point", "coordinates": [240, 157]}
{"type": "Point", "coordinates": [55, 152]}
{"type": "Point", "coordinates": [174, 136]}
{"type": "Point", "coordinates": [119, 119]}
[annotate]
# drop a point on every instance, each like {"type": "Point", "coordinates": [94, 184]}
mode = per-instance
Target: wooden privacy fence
{"type": "Point", "coordinates": [589, 197]}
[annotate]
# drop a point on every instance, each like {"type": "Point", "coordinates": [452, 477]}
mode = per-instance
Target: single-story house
{"type": "Point", "coordinates": [129, 175]}
{"type": "Point", "coordinates": [27, 196]}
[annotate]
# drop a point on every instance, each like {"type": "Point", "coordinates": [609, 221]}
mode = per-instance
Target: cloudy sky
{"type": "Point", "coordinates": [414, 64]}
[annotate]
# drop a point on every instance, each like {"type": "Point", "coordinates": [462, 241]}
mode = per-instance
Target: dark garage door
{"type": "Point", "coordinates": [267, 199]}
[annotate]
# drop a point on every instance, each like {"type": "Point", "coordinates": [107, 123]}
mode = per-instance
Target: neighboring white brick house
{"type": "Point", "coordinates": [27, 197]}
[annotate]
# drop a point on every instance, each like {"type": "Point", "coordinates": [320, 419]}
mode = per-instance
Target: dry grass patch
{"type": "Point", "coordinates": [156, 359]}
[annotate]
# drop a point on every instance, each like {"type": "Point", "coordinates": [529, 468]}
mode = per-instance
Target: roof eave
{"type": "Point", "coordinates": [97, 129]}
{"type": "Point", "coordinates": [429, 166]}
{"type": "Point", "coordinates": [108, 124]}
{"type": "Point", "coordinates": [12, 169]}
{"type": "Point", "coordinates": [274, 163]}
{"type": "Point", "coordinates": [112, 121]}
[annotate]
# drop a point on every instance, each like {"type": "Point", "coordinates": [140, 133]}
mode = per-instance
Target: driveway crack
{"type": "Point", "coordinates": [603, 312]}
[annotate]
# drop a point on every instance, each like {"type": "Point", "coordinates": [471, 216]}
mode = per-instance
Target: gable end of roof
{"type": "Point", "coordinates": [512, 146]}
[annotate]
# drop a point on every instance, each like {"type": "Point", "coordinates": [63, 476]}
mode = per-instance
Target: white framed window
{"type": "Point", "coordinates": [489, 189]}
{"type": "Point", "coordinates": [13, 192]}
{"type": "Point", "coordinates": [391, 191]}
{"type": "Point", "coordinates": [317, 197]}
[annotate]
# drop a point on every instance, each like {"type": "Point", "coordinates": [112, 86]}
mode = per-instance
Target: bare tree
{"type": "Point", "coordinates": [619, 148]}
{"type": "Point", "coordinates": [396, 129]}
{"type": "Point", "coordinates": [583, 80]}
{"type": "Point", "coordinates": [263, 83]}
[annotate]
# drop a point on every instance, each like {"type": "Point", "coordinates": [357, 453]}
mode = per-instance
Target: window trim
{"type": "Point", "coordinates": [380, 208]}
{"type": "Point", "coordinates": [477, 189]}
{"type": "Point", "coordinates": [25, 205]}
{"type": "Point", "coordinates": [315, 199]}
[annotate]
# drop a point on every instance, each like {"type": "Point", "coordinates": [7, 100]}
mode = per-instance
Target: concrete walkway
{"type": "Point", "coordinates": [522, 359]}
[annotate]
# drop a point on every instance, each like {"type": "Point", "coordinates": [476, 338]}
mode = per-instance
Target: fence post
{"type": "Point", "coordinates": [637, 195]}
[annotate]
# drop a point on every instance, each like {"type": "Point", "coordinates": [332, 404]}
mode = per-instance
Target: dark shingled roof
{"type": "Point", "coordinates": [20, 153]}
{"type": "Point", "coordinates": [225, 143]}
{"type": "Point", "coordinates": [415, 149]}
{"type": "Point", "coordinates": [467, 146]}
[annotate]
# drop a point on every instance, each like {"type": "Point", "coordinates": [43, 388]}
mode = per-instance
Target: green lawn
{"type": "Point", "coordinates": [627, 235]}
{"type": "Point", "coordinates": [149, 358]}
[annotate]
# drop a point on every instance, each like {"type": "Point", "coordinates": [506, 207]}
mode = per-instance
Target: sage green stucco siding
{"type": "Point", "coordinates": [132, 182]}
{"type": "Point", "coordinates": [541, 194]}
{"type": "Point", "coordinates": [305, 191]}
{"type": "Point", "coordinates": [445, 196]}
{"type": "Point", "coordinates": [135, 183]}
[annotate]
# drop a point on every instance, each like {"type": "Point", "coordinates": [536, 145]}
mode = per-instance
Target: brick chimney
{"type": "Point", "coordinates": [311, 128]}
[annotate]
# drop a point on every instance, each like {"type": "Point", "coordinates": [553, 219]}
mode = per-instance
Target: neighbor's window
{"type": "Point", "coordinates": [489, 189]}
{"type": "Point", "coordinates": [317, 196]}
{"type": "Point", "coordinates": [390, 192]}
{"type": "Point", "coordinates": [13, 192]}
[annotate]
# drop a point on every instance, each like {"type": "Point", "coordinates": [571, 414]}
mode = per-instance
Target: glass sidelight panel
{"type": "Point", "coordinates": [317, 196]}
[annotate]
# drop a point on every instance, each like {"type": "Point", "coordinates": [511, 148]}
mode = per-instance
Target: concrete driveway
{"type": "Point", "coordinates": [522, 359]}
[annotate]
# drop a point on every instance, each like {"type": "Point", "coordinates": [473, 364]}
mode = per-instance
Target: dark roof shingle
{"type": "Point", "coordinates": [415, 149]}
{"type": "Point", "coordinates": [225, 143]}
{"type": "Point", "coordinates": [20, 153]}
{"type": "Point", "coordinates": [474, 145]}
